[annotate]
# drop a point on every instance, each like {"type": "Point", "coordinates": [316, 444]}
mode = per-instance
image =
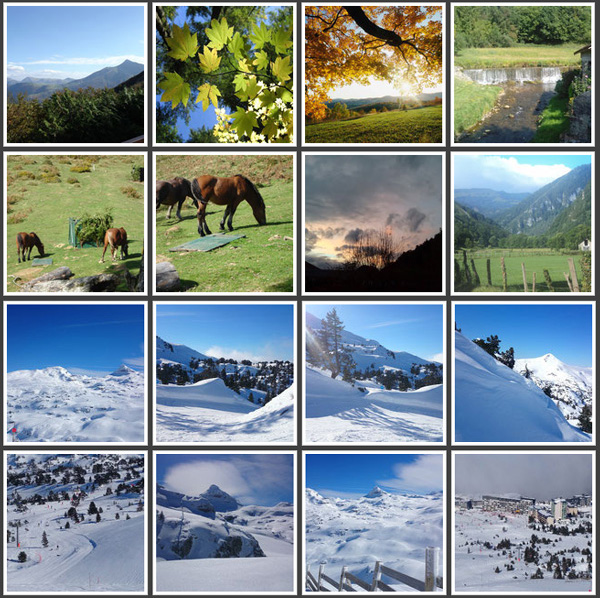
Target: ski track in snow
{"type": "Point", "coordinates": [336, 411]}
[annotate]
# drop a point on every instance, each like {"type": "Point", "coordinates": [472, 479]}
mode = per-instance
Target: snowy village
{"type": "Point", "coordinates": [75, 522]}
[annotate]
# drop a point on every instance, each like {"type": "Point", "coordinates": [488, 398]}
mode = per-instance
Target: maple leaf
{"type": "Point", "coordinates": [210, 60]}
{"type": "Point", "coordinates": [218, 33]}
{"type": "Point", "coordinates": [183, 44]}
{"type": "Point", "coordinates": [236, 46]}
{"type": "Point", "coordinates": [176, 90]}
{"type": "Point", "coordinates": [244, 122]}
{"type": "Point", "coordinates": [208, 93]}
{"type": "Point", "coordinates": [282, 68]}
{"type": "Point", "coordinates": [261, 61]}
{"type": "Point", "coordinates": [240, 82]}
{"type": "Point", "coordinates": [270, 129]}
{"type": "Point", "coordinates": [260, 35]}
{"type": "Point", "coordinates": [281, 40]}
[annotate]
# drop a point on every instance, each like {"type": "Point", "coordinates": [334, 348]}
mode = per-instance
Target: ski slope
{"type": "Point", "coordinates": [494, 403]}
{"type": "Point", "coordinates": [380, 526]}
{"type": "Point", "coordinates": [337, 411]}
{"type": "Point", "coordinates": [208, 411]}
{"type": "Point", "coordinates": [54, 405]}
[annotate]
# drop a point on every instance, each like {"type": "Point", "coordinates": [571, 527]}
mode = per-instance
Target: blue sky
{"type": "Point", "coordinates": [72, 41]}
{"type": "Point", "coordinates": [239, 331]}
{"type": "Point", "coordinates": [84, 339]}
{"type": "Point", "coordinates": [351, 475]}
{"type": "Point", "coordinates": [416, 329]}
{"type": "Point", "coordinates": [516, 173]}
{"type": "Point", "coordinates": [533, 330]}
{"type": "Point", "coordinates": [259, 479]}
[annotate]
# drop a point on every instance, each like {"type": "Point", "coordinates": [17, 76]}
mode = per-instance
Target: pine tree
{"type": "Point", "coordinates": [127, 516]}
{"type": "Point", "coordinates": [22, 557]}
{"type": "Point", "coordinates": [44, 540]}
{"type": "Point", "coordinates": [92, 509]}
{"type": "Point", "coordinates": [67, 525]}
{"type": "Point", "coordinates": [117, 516]}
{"type": "Point", "coordinates": [335, 355]}
{"type": "Point", "coordinates": [98, 517]}
{"type": "Point", "coordinates": [585, 419]}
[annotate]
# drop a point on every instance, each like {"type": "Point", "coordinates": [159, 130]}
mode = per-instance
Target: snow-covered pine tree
{"type": "Point", "coordinates": [44, 540]}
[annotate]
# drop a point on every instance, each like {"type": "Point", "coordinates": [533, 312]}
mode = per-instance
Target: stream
{"type": "Point", "coordinates": [526, 92]}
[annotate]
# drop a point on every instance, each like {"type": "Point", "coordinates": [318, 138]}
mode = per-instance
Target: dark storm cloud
{"type": "Point", "coordinates": [411, 220]}
{"type": "Point", "coordinates": [351, 187]}
{"type": "Point", "coordinates": [354, 235]}
{"type": "Point", "coordinates": [541, 476]}
{"type": "Point", "coordinates": [310, 239]}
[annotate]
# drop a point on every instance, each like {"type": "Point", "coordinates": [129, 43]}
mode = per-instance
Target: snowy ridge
{"type": "Point", "coordinates": [392, 528]}
{"type": "Point", "coordinates": [337, 411]}
{"type": "Point", "coordinates": [176, 353]}
{"type": "Point", "coordinates": [497, 404]}
{"type": "Point", "coordinates": [55, 405]}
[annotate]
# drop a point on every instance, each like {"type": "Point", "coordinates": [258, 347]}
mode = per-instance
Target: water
{"type": "Point", "coordinates": [537, 74]}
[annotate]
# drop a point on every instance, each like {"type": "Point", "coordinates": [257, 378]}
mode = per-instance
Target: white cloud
{"type": "Point", "coordinates": [135, 361]}
{"type": "Point", "coordinates": [423, 475]}
{"type": "Point", "coordinates": [504, 173]}
{"type": "Point", "coordinates": [439, 357]}
{"type": "Point", "coordinates": [101, 60]}
{"type": "Point", "coordinates": [88, 372]}
{"type": "Point", "coordinates": [340, 494]}
{"type": "Point", "coordinates": [394, 323]}
{"type": "Point", "coordinates": [265, 353]}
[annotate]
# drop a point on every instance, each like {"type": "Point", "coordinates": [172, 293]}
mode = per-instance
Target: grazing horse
{"type": "Point", "coordinates": [228, 192]}
{"type": "Point", "coordinates": [116, 237]}
{"type": "Point", "coordinates": [173, 192]}
{"type": "Point", "coordinates": [27, 241]}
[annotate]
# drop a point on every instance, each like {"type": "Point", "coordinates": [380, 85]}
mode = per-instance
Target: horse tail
{"type": "Point", "coordinates": [188, 192]}
{"type": "Point", "coordinates": [254, 188]}
{"type": "Point", "coordinates": [197, 192]}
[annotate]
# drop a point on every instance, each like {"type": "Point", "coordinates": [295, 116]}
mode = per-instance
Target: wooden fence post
{"type": "Point", "coordinates": [573, 275]}
{"type": "Point", "coordinates": [489, 271]}
{"type": "Point", "coordinates": [466, 265]}
{"type": "Point", "coordinates": [504, 279]}
{"type": "Point", "coordinates": [321, 571]}
{"type": "Point", "coordinates": [533, 284]}
{"type": "Point", "coordinates": [432, 554]}
{"type": "Point", "coordinates": [475, 275]}
{"type": "Point", "coordinates": [548, 280]}
{"type": "Point", "coordinates": [568, 281]}
{"type": "Point", "coordinates": [524, 277]}
{"type": "Point", "coordinates": [376, 576]}
{"type": "Point", "coordinates": [342, 576]}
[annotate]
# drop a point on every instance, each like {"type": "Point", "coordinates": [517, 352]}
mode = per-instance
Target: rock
{"type": "Point", "coordinates": [580, 128]}
{"type": "Point", "coordinates": [97, 283]}
{"type": "Point", "coordinates": [274, 237]}
{"type": "Point", "coordinates": [167, 279]}
{"type": "Point", "coordinates": [507, 107]}
{"type": "Point", "coordinates": [62, 273]}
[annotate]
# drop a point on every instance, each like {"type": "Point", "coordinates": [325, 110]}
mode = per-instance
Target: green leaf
{"type": "Point", "coordinates": [240, 82]}
{"type": "Point", "coordinates": [210, 60]}
{"type": "Point", "coordinates": [243, 65]}
{"type": "Point", "coordinates": [281, 40]}
{"type": "Point", "coordinates": [208, 93]}
{"type": "Point", "coordinates": [176, 90]}
{"type": "Point", "coordinates": [267, 97]}
{"type": "Point", "coordinates": [270, 128]}
{"type": "Point", "coordinates": [218, 33]}
{"type": "Point", "coordinates": [260, 35]}
{"type": "Point", "coordinates": [236, 46]}
{"type": "Point", "coordinates": [183, 45]}
{"type": "Point", "coordinates": [282, 68]}
{"type": "Point", "coordinates": [261, 62]}
{"type": "Point", "coordinates": [284, 94]}
{"type": "Point", "coordinates": [253, 89]}
{"type": "Point", "coordinates": [244, 122]}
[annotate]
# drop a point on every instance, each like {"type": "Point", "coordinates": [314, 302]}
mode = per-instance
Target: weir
{"type": "Point", "coordinates": [541, 74]}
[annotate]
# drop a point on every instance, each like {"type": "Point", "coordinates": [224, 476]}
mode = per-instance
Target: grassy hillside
{"type": "Point", "coordinates": [422, 125]}
{"type": "Point", "coordinates": [521, 55]}
{"type": "Point", "coordinates": [472, 102]}
{"type": "Point", "coordinates": [45, 191]}
{"type": "Point", "coordinates": [263, 261]}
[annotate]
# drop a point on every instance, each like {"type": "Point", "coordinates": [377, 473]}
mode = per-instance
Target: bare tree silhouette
{"type": "Point", "coordinates": [375, 248]}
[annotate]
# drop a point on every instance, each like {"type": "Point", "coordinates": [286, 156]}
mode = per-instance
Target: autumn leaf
{"type": "Point", "coordinates": [243, 65]}
{"type": "Point", "coordinates": [218, 33]}
{"type": "Point", "coordinates": [208, 93]}
{"type": "Point", "coordinates": [210, 60]}
{"type": "Point", "coordinates": [176, 90]}
{"type": "Point", "coordinates": [244, 122]}
{"type": "Point", "coordinates": [183, 44]}
{"type": "Point", "coordinates": [260, 35]}
{"type": "Point", "coordinates": [282, 68]}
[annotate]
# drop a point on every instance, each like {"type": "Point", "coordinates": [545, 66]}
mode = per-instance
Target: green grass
{"type": "Point", "coordinates": [518, 56]}
{"type": "Point", "coordinates": [421, 125]}
{"type": "Point", "coordinates": [535, 260]}
{"type": "Point", "coordinates": [553, 121]}
{"type": "Point", "coordinates": [472, 102]}
{"type": "Point", "coordinates": [262, 261]}
{"type": "Point", "coordinates": [44, 207]}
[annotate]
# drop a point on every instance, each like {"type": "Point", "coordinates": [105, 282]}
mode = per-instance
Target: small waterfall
{"type": "Point", "coordinates": [541, 74]}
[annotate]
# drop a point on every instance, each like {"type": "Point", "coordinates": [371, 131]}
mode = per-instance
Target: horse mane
{"type": "Point", "coordinates": [260, 197]}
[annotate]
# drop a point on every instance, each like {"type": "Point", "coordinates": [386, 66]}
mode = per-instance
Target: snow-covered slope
{"type": "Point", "coordinates": [88, 556]}
{"type": "Point", "coordinates": [337, 411]}
{"type": "Point", "coordinates": [496, 404]}
{"type": "Point", "coordinates": [200, 532]}
{"type": "Point", "coordinates": [172, 352]}
{"type": "Point", "coordinates": [368, 352]}
{"type": "Point", "coordinates": [392, 528]}
{"type": "Point", "coordinates": [208, 411]}
{"type": "Point", "coordinates": [570, 386]}
{"type": "Point", "coordinates": [54, 405]}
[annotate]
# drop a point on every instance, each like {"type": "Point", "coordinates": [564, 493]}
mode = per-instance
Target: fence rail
{"type": "Point", "coordinates": [347, 581]}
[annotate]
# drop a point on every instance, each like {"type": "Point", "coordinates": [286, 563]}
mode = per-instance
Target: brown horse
{"type": "Point", "coordinates": [27, 241]}
{"type": "Point", "coordinates": [228, 192]}
{"type": "Point", "coordinates": [116, 237]}
{"type": "Point", "coordinates": [173, 191]}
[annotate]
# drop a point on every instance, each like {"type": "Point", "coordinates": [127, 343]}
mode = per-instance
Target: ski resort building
{"type": "Point", "coordinates": [513, 505]}
{"type": "Point", "coordinates": [559, 509]}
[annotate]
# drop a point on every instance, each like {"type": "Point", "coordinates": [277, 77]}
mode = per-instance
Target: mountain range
{"type": "Point", "coordinates": [53, 405]}
{"type": "Point", "coordinates": [557, 207]}
{"type": "Point", "coordinates": [356, 104]}
{"type": "Point", "coordinates": [42, 88]}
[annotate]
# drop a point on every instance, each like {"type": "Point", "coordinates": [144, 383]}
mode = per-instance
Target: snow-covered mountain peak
{"type": "Point", "coordinates": [123, 370]}
{"type": "Point", "coordinates": [376, 492]}
{"type": "Point", "coordinates": [57, 372]}
{"type": "Point", "coordinates": [220, 500]}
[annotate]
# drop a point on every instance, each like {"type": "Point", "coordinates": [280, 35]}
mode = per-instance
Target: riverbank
{"type": "Point", "coordinates": [522, 55]}
{"type": "Point", "coordinates": [472, 102]}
